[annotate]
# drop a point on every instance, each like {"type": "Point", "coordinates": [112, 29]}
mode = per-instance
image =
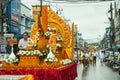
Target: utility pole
{"type": "Point", "coordinates": [1, 18]}
{"type": "Point", "coordinates": [0, 15]}
{"type": "Point", "coordinates": [112, 26]}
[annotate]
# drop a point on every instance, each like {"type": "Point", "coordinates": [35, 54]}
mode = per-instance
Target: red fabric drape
{"type": "Point", "coordinates": [65, 73]}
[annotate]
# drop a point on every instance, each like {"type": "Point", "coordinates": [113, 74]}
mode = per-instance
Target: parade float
{"type": "Point", "coordinates": [51, 57]}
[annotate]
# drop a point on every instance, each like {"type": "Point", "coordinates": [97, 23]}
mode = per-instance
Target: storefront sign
{"type": "Point", "coordinates": [2, 48]}
{"type": "Point", "coordinates": [15, 18]}
{"type": "Point", "coordinates": [2, 40]}
{"type": "Point", "coordinates": [15, 10]}
{"type": "Point", "coordinates": [2, 44]}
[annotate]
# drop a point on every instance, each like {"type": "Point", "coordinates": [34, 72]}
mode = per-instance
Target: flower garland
{"type": "Point", "coordinates": [66, 61]}
{"type": "Point", "coordinates": [11, 60]}
{"type": "Point", "coordinates": [48, 33]}
{"type": "Point", "coordinates": [37, 36]}
{"type": "Point", "coordinates": [49, 28]}
{"type": "Point", "coordinates": [34, 52]}
{"type": "Point", "coordinates": [54, 59]}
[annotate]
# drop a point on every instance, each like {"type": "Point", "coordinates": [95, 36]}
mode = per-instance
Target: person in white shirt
{"type": "Point", "coordinates": [94, 56]}
{"type": "Point", "coordinates": [101, 56]}
{"type": "Point", "coordinates": [24, 41]}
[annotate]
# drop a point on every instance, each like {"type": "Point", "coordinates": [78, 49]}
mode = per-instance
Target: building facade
{"type": "Point", "coordinates": [80, 41]}
{"type": "Point", "coordinates": [106, 42]}
{"type": "Point", "coordinates": [117, 23]}
{"type": "Point", "coordinates": [19, 18]}
{"type": "Point", "coordinates": [26, 19]}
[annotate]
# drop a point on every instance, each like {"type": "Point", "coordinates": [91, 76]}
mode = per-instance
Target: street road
{"type": "Point", "coordinates": [97, 72]}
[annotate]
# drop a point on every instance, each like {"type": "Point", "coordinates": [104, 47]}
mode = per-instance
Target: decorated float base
{"type": "Point", "coordinates": [33, 61]}
{"type": "Point", "coordinates": [33, 65]}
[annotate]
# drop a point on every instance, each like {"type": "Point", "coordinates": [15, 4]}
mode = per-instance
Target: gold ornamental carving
{"type": "Point", "coordinates": [62, 26]}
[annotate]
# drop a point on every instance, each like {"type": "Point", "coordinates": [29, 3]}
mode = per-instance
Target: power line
{"type": "Point", "coordinates": [79, 5]}
{"type": "Point", "coordinates": [76, 2]}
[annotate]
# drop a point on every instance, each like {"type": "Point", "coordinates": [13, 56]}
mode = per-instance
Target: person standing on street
{"type": "Point", "coordinates": [91, 57]}
{"type": "Point", "coordinates": [94, 56]}
{"type": "Point", "coordinates": [101, 56]}
{"type": "Point", "coordinates": [76, 57]}
{"type": "Point", "coordinates": [85, 57]}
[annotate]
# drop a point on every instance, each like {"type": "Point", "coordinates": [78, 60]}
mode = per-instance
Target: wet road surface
{"type": "Point", "coordinates": [97, 72]}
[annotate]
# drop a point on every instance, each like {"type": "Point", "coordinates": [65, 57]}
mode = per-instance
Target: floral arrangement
{"type": "Point", "coordinates": [49, 28]}
{"type": "Point", "coordinates": [58, 45]}
{"type": "Point", "coordinates": [11, 60]}
{"type": "Point", "coordinates": [53, 29]}
{"type": "Point", "coordinates": [66, 61]}
{"type": "Point", "coordinates": [59, 39]}
{"type": "Point", "coordinates": [45, 52]}
{"type": "Point", "coordinates": [34, 52]}
{"type": "Point", "coordinates": [37, 36]}
{"type": "Point", "coordinates": [51, 57]}
{"type": "Point", "coordinates": [48, 33]}
{"type": "Point", "coordinates": [54, 59]}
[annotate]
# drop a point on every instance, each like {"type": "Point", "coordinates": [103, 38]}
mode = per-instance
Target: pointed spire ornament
{"type": "Point", "coordinates": [50, 54]}
{"type": "Point", "coordinates": [12, 55]}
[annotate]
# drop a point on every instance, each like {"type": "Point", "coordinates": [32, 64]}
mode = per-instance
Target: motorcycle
{"type": "Point", "coordinates": [116, 65]}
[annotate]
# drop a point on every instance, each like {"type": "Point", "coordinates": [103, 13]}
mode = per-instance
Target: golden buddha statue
{"type": "Point", "coordinates": [30, 44]}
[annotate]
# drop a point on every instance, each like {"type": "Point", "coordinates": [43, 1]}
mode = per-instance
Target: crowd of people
{"type": "Point", "coordinates": [86, 57]}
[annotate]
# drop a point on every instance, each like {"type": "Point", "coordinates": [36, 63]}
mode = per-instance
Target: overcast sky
{"type": "Point", "coordinates": [91, 18]}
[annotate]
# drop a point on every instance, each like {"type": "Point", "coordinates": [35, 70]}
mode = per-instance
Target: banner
{"type": "Point", "coordinates": [2, 40]}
